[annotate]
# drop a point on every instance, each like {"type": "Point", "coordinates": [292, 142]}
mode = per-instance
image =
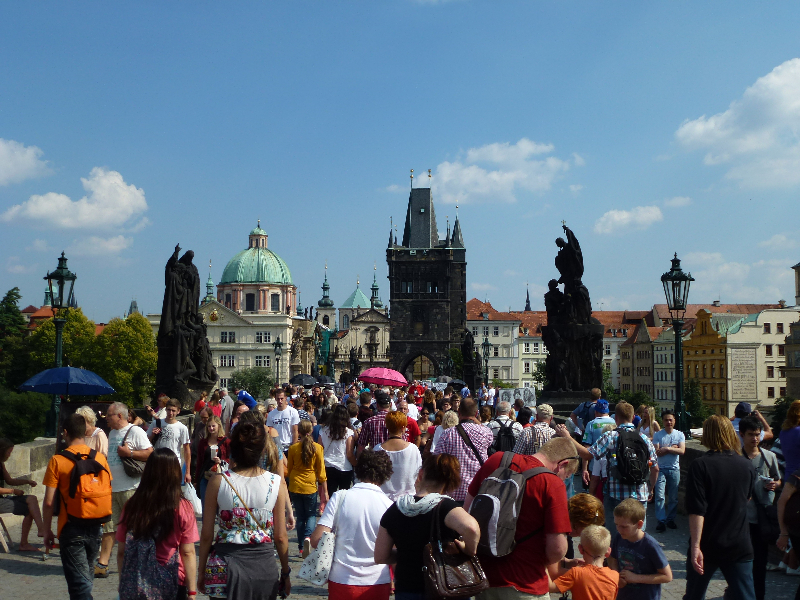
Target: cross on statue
{"type": "Point", "coordinates": [563, 223]}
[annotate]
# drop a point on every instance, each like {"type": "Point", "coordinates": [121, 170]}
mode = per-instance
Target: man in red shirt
{"type": "Point", "coordinates": [544, 513]}
{"type": "Point", "coordinates": [412, 429]}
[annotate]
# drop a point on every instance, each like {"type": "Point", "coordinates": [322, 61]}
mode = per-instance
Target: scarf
{"type": "Point", "coordinates": [411, 507]}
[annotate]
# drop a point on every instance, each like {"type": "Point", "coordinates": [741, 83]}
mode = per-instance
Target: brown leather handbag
{"type": "Point", "coordinates": [449, 573]}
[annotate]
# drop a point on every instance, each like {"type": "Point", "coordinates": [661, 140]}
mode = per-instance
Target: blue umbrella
{"type": "Point", "coordinates": [64, 381]}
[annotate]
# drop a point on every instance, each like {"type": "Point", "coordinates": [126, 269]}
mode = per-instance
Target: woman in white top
{"type": "Point", "coordinates": [354, 573]}
{"type": "Point", "coordinates": [95, 437]}
{"type": "Point", "coordinates": [405, 457]}
{"type": "Point", "coordinates": [242, 565]}
{"type": "Point", "coordinates": [450, 419]}
{"type": "Point", "coordinates": [648, 425]}
{"type": "Point", "coordinates": [337, 440]}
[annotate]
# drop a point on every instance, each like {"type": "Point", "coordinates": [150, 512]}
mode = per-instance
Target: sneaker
{"type": "Point", "coordinates": [100, 571]}
{"type": "Point", "coordinates": [306, 547]}
{"type": "Point", "coordinates": [661, 527]}
{"type": "Point", "coordinates": [782, 566]}
{"type": "Point", "coordinates": [671, 525]}
{"type": "Point", "coordinates": [792, 571]}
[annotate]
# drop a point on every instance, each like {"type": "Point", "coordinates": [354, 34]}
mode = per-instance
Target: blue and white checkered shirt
{"type": "Point", "coordinates": [606, 446]}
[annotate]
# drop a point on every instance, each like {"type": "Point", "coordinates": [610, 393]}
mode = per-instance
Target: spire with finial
{"type": "Point", "coordinates": [391, 225]}
{"type": "Point", "coordinates": [299, 305]}
{"type": "Point", "coordinates": [447, 238]}
{"type": "Point", "coordinates": [375, 301]}
{"type": "Point", "coordinates": [527, 298]}
{"type": "Point", "coordinates": [412, 179]}
{"type": "Point", "coordinates": [209, 286]}
{"type": "Point", "coordinates": [325, 301]}
{"type": "Point", "coordinates": [458, 239]}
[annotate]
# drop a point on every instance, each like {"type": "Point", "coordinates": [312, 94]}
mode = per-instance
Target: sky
{"type": "Point", "coordinates": [650, 128]}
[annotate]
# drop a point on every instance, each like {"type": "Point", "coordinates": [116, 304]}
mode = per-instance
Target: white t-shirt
{"type": "Point", "coordinates": [436, 435]}
{"type": "Point", "coordinates": [358, 523]}
{"type": "Point", "coordinates": [490, 397]}
{"type": "Point", "coordinates": [406, 464]}
{"type": "Point", "coordinates": [137, 440]}
{"type": "Point", "coordinates": [173, 436]}
{"type": "Point", "coordinates": [600, 468]}
{"type": "Point", "coordinates": [413, 411]}
{"type": "Point", "coordinates": [161, 413]}
{"type": "Point", "coordinates": [335, 450]}
{"type": "Point", "coordinates": [283, 420]}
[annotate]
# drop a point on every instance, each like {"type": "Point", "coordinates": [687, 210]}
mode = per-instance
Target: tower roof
{"type": "Point", "coordinates": [256, 265]}
{"type": "Point", "coordinates": [357, 299]}
{"type": "Point", "coordinates": [458, 239]}
{"type": "Point", "coordinates": [420, 230]}
{"type": "Point", "coordinates": [325, 301]}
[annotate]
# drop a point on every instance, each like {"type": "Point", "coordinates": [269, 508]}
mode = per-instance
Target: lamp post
{"type": "Point", "coordinates": [676, 289]}
{"type": "Point", "coordinates": [60, 283]}
{"type": "Point", "coordinates": [486, 348]}
{"type": "Point", "coordinates": [277, 345]}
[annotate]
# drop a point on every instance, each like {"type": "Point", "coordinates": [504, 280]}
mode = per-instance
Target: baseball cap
{"type": "Point", "coordinates": [601, 406]}
{"type": "Point", "coordinates": [544, 410]}
{"type": "Point", "coordinates": [743, 408]}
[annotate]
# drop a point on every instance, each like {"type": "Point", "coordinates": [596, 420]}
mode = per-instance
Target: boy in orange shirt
{"type": "Point", "coordinates": [591, 581]}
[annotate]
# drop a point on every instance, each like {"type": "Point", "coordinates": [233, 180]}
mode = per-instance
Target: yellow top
{"type": "Point", "coordinates": [303, 478]}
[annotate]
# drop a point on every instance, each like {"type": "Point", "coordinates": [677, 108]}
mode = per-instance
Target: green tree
{"type": "Point", "coordinates": [458, 362]}
{"type": "Point", "coordinates": [779, 411]}
{"type": "Point", "coordinates": [258, 381]}
{"type": "Point", "coordinates": [539, 374]}
{"type": "Point", "coordinates": [500, 384]}
{"type": "Point", "coordinates": [13, 355]}
{"type": "Point", "coordinates": [77, 342]}
{"type": "Point", "coordinates": [12, 323]}
{"type": "Point", "coordinates": [125, 355]}
{"type": "Point", "coordinates": [22, 415]}
{"type": "Point", "coordinates": [692, 399]}
{"type": "Point", "coordinates": [608, 389]}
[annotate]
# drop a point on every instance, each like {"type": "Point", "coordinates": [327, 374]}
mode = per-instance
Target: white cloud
{"type": "Point", "coordinates": [731, 281]}
{"type": "Point", "coordinates": [497, 172]}
{"type": "Point", "coordinates": [109, 203]}
{"type": "Point", "coordinates": [38, 246]}
{"type": "Point", "coordinates": [780, 241]}
{"type": "Point", "coordinates": [640, 217]}
{"type": "Point", "coordinates": [97, 246]}
{"type": "Point", "coordinates": [482, 287]}
{"type": "Point", "coordinates": [19, 162]}
{"type": "Point", "coordinates": [510, 273]}
{"type": "Point", "coordinates": [678, 201]}
{"type": "Point", "coordinates": [575, 188]}
{"type": "Point", "coordinates": [759, 135]}
{"type": "Point", "coordinates": [578, 159]}
{"type": "Point", "coordinates": [13, 266]}
{"type": "Point", "coordinates": [394, 188]}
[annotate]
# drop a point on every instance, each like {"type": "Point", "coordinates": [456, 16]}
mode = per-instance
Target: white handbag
{"type": "Point", "coordinates": [317, 565]}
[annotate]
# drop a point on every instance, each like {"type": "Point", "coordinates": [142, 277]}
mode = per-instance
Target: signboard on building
{"type": "Point", "coordinates": [527, 395]}
{"type": "Point", "coordinates": [743, 374]}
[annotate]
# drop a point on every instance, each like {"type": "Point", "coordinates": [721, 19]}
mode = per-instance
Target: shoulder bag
{"type": "Point", "coordinates": [450, 574]}
{"type": "Point", "coordinates": [132, 466]}
{"type": "Point", "coordinates": [465, 436]}
{"type": "Point", "coordinates": [317, 566]}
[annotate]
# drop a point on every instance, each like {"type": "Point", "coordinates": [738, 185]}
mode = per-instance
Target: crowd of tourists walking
{"type": "Point", "coordinates": [412, 492]}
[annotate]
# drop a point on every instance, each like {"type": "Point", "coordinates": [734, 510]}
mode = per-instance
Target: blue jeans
{"type": "Point", "coordinates": [80, 545]}
{"type": "Point", "coordinates": [305, 514]}
{"type": "Point", "coordinates": [667, 481]}
{"type": "Point", "coordinates": [609, 504]}
{"type": "Point", "coordinates": [201, 491]}
{"type": "Point", "coordinates": [738, 575]}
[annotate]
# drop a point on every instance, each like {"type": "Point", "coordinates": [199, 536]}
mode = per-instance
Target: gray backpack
{"type": "Point", "coordinates": [497, 507]}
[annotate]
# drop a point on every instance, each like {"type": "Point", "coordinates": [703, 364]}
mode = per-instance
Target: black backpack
{"type": "Point", "coordinates": [505, 440]}
{"type": "Point", "coordinates": [633, 457]}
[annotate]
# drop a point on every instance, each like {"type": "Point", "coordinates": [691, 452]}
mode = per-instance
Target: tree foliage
{"type": "Point", "coordinates": [458, 362]}
{"type": "Point", "coordinates": [779, 411]}
{"type": "Point", "coordinates": [693, 401]}
{"type": "Point", "coordinates": [77, 342]}
{"type": "Point", "coordinates": [258, 381]}
{"type": "Point", "coordinates": [540, 374]}
{"type": "Point", "coordinates": [12, 323]}
{"type": "Point", "coordinates": [22, 415]}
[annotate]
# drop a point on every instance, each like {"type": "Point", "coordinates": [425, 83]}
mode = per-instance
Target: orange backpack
{"type": "Point", "coordinates": [89, 496]}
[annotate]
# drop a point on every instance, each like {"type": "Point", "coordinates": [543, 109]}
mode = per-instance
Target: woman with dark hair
{"type": "Point", "coordinates": [524, 416]}
{"type": "Point", "coordinates": [406, 525]}
{"type": "Point", "coordinates": [429, 402]}
{"type": "Point", "coordinates": [15, 501]}
{"type": "Point", "coordinates": [307, 485]}
{"type": "Point", "coordinates": [323, 420]}
{"type": "Point", "coordinates": [354, 574]}
{"type": "Point", "coordinates": [157, 515]}
{"type": "Point", "coordinates": [338, 443]}
{"type": "Point", "coordinates": [239, 408]}
{"type": "Point", "coordinates": [242, 565]}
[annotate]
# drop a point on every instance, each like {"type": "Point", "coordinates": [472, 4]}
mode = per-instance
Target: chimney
{"type": "Point", "coordinates": [782, 303]}
{"type": "Point", "coordinates": [716, 303]}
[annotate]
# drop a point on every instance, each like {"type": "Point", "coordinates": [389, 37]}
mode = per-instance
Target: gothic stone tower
{"type": "Point", "coordinates": [428, 294]}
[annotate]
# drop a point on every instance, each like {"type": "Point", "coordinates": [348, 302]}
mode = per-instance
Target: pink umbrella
{"type": "Point", "coordinates": [381, 376]}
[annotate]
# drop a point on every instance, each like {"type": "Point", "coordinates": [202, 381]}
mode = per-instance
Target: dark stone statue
{"type": "Point", "coordinates": [470, 368]}
{"type": "Point", "coordinates": [185, 365]}
{"type": "Point", "coordinates": [574, 339]}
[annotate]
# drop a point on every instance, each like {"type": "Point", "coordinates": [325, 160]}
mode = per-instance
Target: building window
{"type": "Point", "coordinates": [783, 392]}
{"type": "Point", "coordinates": [713, 374]}
{"type": "Point", "coordinates": [608, 349]}
{"type": "Point", "coordinates": [705, 392]}
{"type": "Point", "coordinates": [250, 302]}
{"type": "Point", "coordinates": [326, 320]}
{"type": "Point", "coordinates": [496, 373]}
{"type": "Point", "coordinates": [495, 331]}
{"type": "Point", "coordinates": [275, 302]}
{"type": "Point", "coordinates": [495, 350]}
{"type": "Point", "coordinates": [223, 382]}
{"type": "Point", "coordinates": [345, 322]}
{"type": "Point", "coordinates": [227, 337]}
{"type": "Point", "coordinates": [781, 373]}
{"type": "Point", "coordinates": [770, 372]}
{"type": "Point", "coordinates": [781, 350]}
{"type": "Point", "coordinates": [536, 347]}
{"type": "Point", "coordinates": [474, 332]}
{"type": "Point", "coordinates": [768, 349]}
{"type": "Point", "coordinates": [486, 331]}
{"type": "Point", "coordinates": [767, 329]}
{"type": "Point", "coordinates": [263, 337]}
{"type": "Point", "coordinates": [722, 370]}
{"type": "Point", "coordinates": [770, 392]}
{"type": "Point", "coordinates": [526, 367]}
{"type": "Point", "coordinates": [262, 361]}
{"type": "Point", "coordinates": [227, 360]}
{"type": "Point", "coordinates": [778, 327]}
{"type": "Point", "coordinates": [526, 347]}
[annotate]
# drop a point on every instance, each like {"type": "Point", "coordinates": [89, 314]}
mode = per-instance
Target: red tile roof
{"type": "Point", "coordinates": [736, 309]}
{"type": "Point", "coordinates": [29, 309]}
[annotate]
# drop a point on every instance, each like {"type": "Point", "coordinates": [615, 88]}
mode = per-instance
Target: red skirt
{"type": "Point", "coordinates": [341, 591]}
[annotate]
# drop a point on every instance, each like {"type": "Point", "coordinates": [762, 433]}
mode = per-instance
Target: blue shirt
{"type": "Point", "coordinates": [607, 445]}
{"type": "Point", "coordinates": [247, 399]}
{"type": "Point", "coordinates": [644, 557]}
{"type": "Point", "coordinates": [594, 429]}
{"type": "Point", "coordinates": [668, 462]}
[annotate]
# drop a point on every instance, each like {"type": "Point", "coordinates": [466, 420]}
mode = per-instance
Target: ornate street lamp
{"type": "Point", "coordinates": [60, 283]}
{"type": "Point", "coordinates": [676, 289]}
{"type": "Point", "coordinates": [277, 345]}
{"type": "Point", "coordinates": [486, 348]}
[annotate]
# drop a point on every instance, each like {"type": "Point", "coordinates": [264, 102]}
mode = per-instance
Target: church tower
{"type": "Point", "coordinates": [326, 310]}
{"type": "Point", "coordinates": [427, 291]}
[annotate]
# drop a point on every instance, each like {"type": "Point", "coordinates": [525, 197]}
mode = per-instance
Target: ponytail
{"type": "Point", "coordinates": [307, 448]}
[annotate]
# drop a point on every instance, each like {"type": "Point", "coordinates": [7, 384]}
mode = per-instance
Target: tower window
{"type": "Point", "coordinates": [345, 322]}
{"type": "Point", "coordinates": [275, 302]}
{"type": "Point", "coordinates": [250, 302]}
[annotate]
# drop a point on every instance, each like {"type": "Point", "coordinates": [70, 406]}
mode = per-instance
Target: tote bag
{"type": "Point", "coordinates": [317, 565]}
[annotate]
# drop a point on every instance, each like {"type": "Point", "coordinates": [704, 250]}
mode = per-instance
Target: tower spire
{"type": "Point", "coordinates": [527, 298]}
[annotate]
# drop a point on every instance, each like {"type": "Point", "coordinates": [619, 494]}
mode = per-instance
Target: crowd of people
{"type": "Point", "coordinates": [383, 468]}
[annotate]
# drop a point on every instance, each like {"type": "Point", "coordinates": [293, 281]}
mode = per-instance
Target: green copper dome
{"type": "Point", "coordinates": [256, 265]}
{"type": "Point", "coordinates": [356, 300]}
{"type": "Point", "coordinates": [258, 231]}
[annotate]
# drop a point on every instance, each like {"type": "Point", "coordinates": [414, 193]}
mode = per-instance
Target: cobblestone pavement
{"type": "Point", "coordinates": [23, 576]}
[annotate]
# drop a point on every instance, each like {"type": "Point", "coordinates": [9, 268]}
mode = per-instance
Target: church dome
{"type": "Point", "coordinates": [257, 264]}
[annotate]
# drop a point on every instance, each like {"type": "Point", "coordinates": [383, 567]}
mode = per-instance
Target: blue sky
{"type": "Point", "coordinates": [649, 127]}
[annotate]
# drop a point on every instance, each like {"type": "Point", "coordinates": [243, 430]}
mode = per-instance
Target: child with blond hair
{"type": "Point", "coordinates": [590, 581]}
